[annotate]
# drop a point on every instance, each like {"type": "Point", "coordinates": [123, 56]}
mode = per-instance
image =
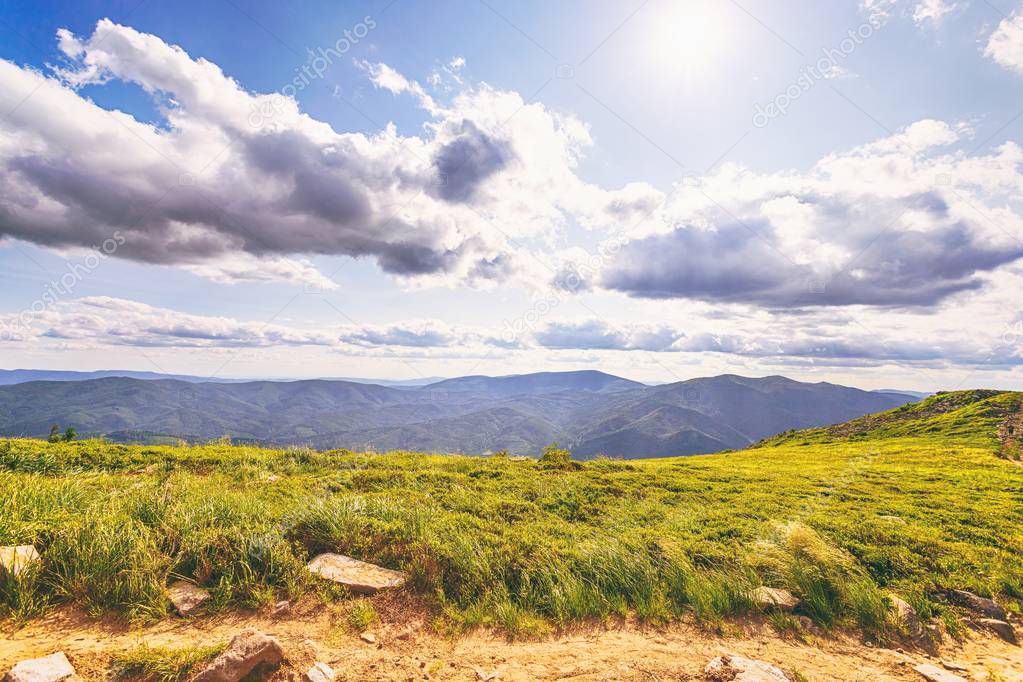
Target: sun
{"type": "Point", "coordinates": [688, 36]}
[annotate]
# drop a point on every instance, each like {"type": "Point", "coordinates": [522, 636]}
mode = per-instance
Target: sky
{"type": "Point", "coordinates": [394, 189]}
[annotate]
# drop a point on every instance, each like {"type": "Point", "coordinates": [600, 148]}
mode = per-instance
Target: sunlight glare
{"type": "Point", "coordinates": [688, 37]}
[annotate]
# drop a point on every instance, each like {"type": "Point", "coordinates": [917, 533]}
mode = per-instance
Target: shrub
{"type": "Point", "coordinates": [554, 457]}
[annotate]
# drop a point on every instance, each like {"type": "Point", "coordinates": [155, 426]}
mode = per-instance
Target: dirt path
{"type": "Point", "coordinates": [406, 649]}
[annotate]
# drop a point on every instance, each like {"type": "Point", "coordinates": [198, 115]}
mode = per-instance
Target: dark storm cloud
{"type": "Point", "coordinates": [750, 263]}
{"type": "Point", "coordinates": [465, 162]}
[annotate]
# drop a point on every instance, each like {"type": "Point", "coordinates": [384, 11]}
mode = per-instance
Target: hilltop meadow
{"type": "Point", "coordinates": [912, 502]}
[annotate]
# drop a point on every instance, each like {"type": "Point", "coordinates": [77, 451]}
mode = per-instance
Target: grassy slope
{"type": "Point", "coordinates": [913, 501]}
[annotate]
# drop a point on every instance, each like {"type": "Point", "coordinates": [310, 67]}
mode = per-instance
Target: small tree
{"type": "Point", "coordinates": [70, 434]}
{"type": "Point", "coordinates": [54, 434]}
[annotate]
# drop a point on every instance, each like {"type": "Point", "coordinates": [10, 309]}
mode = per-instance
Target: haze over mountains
{"type": "Point", "coordinates": [21, 376]}
{"type": "Point", "coordinates": [589, 412]}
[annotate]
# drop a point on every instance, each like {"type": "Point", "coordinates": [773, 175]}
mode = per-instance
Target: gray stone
{"type": "Point", "coordinates": [935, 674]}
{"type": "Point", "coordinates": [1000, 628]}
{"type": "Point", "coordinates": [774, 598]}
{"type": "Point", "coordinates": [358, 576]}
{"type": "Point", "coordinates": [979, 604]}
{"type": "Point", "coordinates": [907, 616]}
{"type": "Point", "coordinates": [735, 668]}
{"type": "Point", "coordinates": [186, 597]}
{"type": "Point", "coordinates": [368, 638]}
{"type": "Point", "coordinates": [320, 672]}
{"type": "Point", "coordinates": [247, 651]}
{"type": "Point", "coordinates": [52, 668]}
{"type": "Point", "coordinates": [17, 558]}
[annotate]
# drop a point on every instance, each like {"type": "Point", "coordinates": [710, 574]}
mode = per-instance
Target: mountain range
{"type": "Point", "coordinates": [589, 412]}
{"type": "Point", "coordinates": [21, 376]}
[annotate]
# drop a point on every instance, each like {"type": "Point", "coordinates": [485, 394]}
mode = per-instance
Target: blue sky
{"type": "Point", "coordinates": [473, 187]}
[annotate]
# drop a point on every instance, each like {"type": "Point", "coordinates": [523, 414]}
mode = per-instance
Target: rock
{"type": "Point", "coordinates": [368, 638]}
{"type": "Point", "coordinates": [907, 616]}
{"type": "Point", "coordinates": [186, 597]}
{"type": "Point", "coordinates": [774, 598]}
{"type": "Point", "coordinates": [735, 668]}
{"type": "Point", "coordinates": [934, 633]}
{"type": "Point", "coordinates": [52, 668]}
{"type": "Point", "coordinates": [16, 558]}
{"type": "Point", "coordinates": [247, 651]}
{"type": "Point", "coordinates": [979, 604]}
{"type": "Point", "coordinates": [357, 576]}
{"type": "Point", "coordinates": [952, 665]}
{"type": "Point", "coordinates": [320, 672]}
{"type": "Point", "coordinates": [809, 626]}
{"type": "Point", "coordinates": [936, 674]}
{"type": "Point", "coordinates": [1000, 628]}
{"type": "Point", "coordinates": [281, 608]}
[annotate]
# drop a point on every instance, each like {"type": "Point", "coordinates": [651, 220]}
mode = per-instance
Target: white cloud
{"type": "Point", "coordinates": [601, 335]}
{"type": "Point", "coordinates": [1006, 43]}
{"type": "Point", "coordinates": [107, 321]}
{"type": "Point", "coordinates": [932, 11]}
{"type": "Point", "coordinates": [839, 72]}
{"type": "Point", "coordinates": [238, 185]}
{"type": "Point", "coordinates": [991, 339]}
{"type": "Point", "coordinates": [906, 220]}
{"type": "Point", "coordinates": [420, 334]}
{"type": "Point", "coordinates": [385, 77]}
{"type": "Point", "coordinates": [923, 12]}
{"type": "Point", "coordinates": [878, 10]}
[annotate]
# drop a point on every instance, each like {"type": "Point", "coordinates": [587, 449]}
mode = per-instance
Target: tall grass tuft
{"type": "Point", "coordinates": [162, 664]}
{"type": "Point", "coordinates": [828, 580]}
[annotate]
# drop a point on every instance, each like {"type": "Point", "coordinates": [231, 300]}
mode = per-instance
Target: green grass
{"type": "Point", "coordinates": [162, 664]}
{"type": "Point", "coordinates": [913, 501]}
{"type": "Point", "coordinates": [360, 614]}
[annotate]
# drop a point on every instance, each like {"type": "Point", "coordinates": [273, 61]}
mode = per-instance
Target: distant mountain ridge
{"type": "Point", "coordinates": [22, 376]}
{"type": "Point", "coordinates": [589, 412]}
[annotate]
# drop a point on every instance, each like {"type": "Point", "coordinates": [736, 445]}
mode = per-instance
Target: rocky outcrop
{"type": "Point", "coordinates": [52, 668]}
{"type": "Point", "coordinates": [774, 598]}
{"type": "Point", "coordinates": [933, 673]}
{"type": "Point", "coordinates": [977, 603]}
{"type": "Point", "coordinates": [186, 597]}
{"type": "Point", "coordinates": [358, 576]}
{"type": "Point", "coordinates": [320, 672]}
{"type": "Point", "coordinates": [17, 558]}
{"type": "Point", "coordinates": [906, 616]}
{"type": "Point", "coordinates": [735, 668]}
{"type": "Point", "coordinates": [248, 651]}
{"type": "Point", "coordinates": [1000, 627]}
